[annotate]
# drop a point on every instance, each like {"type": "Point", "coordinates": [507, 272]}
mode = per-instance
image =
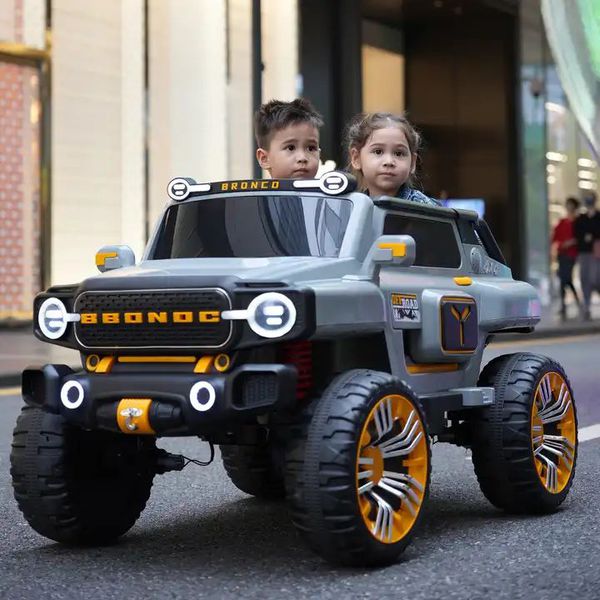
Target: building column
{"type": "Point", "coordinates": [187, 94]}
{"type": "Point", "coordinates": [97, 132]}
{"type": "Point", "coordinates": [280, 49]}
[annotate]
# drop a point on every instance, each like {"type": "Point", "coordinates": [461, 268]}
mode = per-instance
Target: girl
{"type": "Point", "coordinates": [383, 154]}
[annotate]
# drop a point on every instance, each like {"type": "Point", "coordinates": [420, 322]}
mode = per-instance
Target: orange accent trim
{"type": "Point", "coordinates": [140, 422]}
{"type": "Point", "coordinates": [157, 359]}
{"type": "Point", "coordinates": [398, 248]}
{"type": "Point", "coordinates": [204, 364]}
{"type": "Point", "coordinates": [222, 358]}
{"type": "Point", "coordinates": [102, 256]}
{"type": "Point", "coordinates": [371, 467]}
{"type": "Point", "coordinates": [432, 368]}
{"type": "Point", "coordinates": [463, 280]}
{"type": "Point", "coordinates": [105, 365]}
{"type": "Point", "coordinates": [566, 426]}
{"type": "Point", "coordinates": [458, 299]}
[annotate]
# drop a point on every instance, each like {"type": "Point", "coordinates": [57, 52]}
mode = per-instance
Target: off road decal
{"type": "Point", "coordinates": [405, 308]}
{"type": "Point", "coordinates": [460, 330]}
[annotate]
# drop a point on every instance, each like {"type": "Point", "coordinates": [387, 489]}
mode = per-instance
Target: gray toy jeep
{"type": "Point", "coordinates": [321, 338]}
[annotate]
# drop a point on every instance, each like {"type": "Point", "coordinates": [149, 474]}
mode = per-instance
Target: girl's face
{"type": "Point", "coordinates": [385, 161]}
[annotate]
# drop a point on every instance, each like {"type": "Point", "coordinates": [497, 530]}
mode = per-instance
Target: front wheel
{"type": "Point", "coordinates": [525, 444]}
{"type": "Point", "coordinates": [78, 487]}
{"type": "Point", "coordinates": [359, 469]}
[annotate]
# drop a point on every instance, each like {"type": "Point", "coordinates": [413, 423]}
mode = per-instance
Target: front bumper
{"type": "Point", "coordinates": [172, 403]}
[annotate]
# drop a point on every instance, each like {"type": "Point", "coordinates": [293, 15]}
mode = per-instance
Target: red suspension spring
{"type": "Point", "coordinates": [299, 354]}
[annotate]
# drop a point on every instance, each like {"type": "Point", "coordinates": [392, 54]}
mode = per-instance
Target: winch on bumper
{"type": "Point", "coordinates": [160, 403]}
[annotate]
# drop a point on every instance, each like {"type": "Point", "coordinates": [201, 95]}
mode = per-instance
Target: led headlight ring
{"type": "Point", "coordinates": [271, 315]}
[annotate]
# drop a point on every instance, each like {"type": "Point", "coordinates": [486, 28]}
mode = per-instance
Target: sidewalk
{"type": "Point", "coordinates": [19, 348]}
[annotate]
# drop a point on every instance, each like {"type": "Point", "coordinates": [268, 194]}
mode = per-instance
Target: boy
{"type": "Point", "coordinates": [287, 135]}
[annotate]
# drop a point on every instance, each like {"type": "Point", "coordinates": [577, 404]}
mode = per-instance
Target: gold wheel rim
{"type": "Point", "coordinates": [392, 468]}
{"type": "Point", "coordinates": [553, 432]}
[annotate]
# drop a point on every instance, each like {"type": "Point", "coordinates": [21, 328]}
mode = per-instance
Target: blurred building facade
{"type": "Point", "coordinates": [102, 103]}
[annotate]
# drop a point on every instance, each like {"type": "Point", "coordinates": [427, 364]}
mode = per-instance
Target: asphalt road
{"type": "Point", "coordinates": [201, 538]}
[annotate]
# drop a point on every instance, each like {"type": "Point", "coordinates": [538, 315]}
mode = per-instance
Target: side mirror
{"type": "Point", "coordinates": [109, 258]}
{"type": "Point", "coordinates": [398, 250]}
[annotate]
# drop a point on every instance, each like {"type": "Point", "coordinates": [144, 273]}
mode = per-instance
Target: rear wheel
{"type": "Point", "coordinates": [78, 487]}
{"type": "Point", "coordinates": [254, 470]}
{"type": "Point", "coordinates": [358, 470]}
{"type": "Point", "coordinates": [525, 445]}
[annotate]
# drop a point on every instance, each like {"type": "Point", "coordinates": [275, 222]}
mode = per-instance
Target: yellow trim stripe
{"type": "Point", "coordinates": [157, 359]}
{"type": "Point", "coordinates": [204, 364]}
{"type": "Point", "coordinates": [432, 368]}
{"type": "Point", "coordinates": [105, 365]}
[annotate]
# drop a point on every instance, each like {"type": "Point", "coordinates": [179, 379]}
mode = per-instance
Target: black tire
{"type": "Point", "coordinates": [322, 465]}
{"type": "Point", "coordinates": [78, 487]}
{"type": "Point", "coordinates": [503, 438]}
{"type": "Point", "coordinates": [254, 470]}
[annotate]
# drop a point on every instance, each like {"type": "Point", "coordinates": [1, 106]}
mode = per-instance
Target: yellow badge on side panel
{"type": "Point", "coordinates": [133, 415]}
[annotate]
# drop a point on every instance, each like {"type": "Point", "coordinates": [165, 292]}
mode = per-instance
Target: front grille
{"type": "Point", "coordinates": [195, 334]}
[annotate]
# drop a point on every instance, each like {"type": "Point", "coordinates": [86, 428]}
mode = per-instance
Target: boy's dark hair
{"type": "Point", "coordinates": [574, 202]}
{"type": "Point", "coordinates": [276, 114]}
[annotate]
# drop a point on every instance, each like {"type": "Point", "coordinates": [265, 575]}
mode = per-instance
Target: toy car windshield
{"type": "Point", "coordinates": [266, 225]}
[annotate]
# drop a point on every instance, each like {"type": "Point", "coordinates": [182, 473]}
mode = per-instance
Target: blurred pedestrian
{"type": "Point", "coordinates": [587, 233]}
{"type": "Point", "coordinates": [563, 239]}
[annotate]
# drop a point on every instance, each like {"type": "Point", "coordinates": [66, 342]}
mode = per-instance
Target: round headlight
{"type": "Point", "coordinates": [203, 396]}
{"type": "Point", "coordinates": [71, 394]}
{"type": "Point", "coordinates": [271, 315]}
{"type": "Point", "coordinates": [52, 318]}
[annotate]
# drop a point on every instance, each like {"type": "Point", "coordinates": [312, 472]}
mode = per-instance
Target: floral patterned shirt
{"type": "Point", "coordinates": [408, 193]}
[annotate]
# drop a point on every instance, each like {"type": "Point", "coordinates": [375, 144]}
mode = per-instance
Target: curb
{"type": "Point", "coordinates": [543, 333]}
{"type": "Point", "coordinates": [10, 380]}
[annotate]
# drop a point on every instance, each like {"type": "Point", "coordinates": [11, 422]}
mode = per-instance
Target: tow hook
{"type": "Point", "coordinates": [130, 413]}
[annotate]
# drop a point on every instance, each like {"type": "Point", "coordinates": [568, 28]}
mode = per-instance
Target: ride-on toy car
{"type": "Point", "coordinates": [321, 338]}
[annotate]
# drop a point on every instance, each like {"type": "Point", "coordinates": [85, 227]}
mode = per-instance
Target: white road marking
{"type": "Point", "coordinates": [589, 433]}
{"type": "Point", "coordinates": [11, 391]}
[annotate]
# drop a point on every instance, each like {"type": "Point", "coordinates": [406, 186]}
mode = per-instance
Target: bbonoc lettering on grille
{"type": "Point", "coordinates": [174, 318]}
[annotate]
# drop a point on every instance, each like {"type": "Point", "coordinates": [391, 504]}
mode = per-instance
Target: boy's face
{"type": "Point", "coordinates": [293, 153]}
